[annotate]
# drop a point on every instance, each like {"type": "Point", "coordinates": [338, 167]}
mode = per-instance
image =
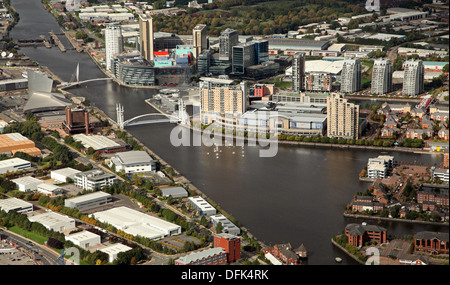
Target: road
{"type": "Point", "coordinates": [41, 253]}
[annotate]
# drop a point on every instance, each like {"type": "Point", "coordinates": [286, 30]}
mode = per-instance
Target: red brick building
{"type": "Point", "coordinates": [432, 242]}
{"type": "Point", "coordinates": [211, 256]}
{"type": "Point", "coordinates": [231, 244]}
{"type": "Point", "coordinates": [287, 254]}
{"type": "Point", "coordinates": [358, 234]}
{"type": "Point", "coordinates": [430, 196]}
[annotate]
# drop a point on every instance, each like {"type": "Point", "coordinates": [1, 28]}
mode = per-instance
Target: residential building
{"type": "Point", "coordinates": [88, 201]}
{"type": "Point", "coordinates": [93, 179]}
{"type": "Point", "coordinates": [199, 39]}
{"type": "Point", "coordinates": [146, 46]}
{"type": "Point", "coordinates": [286, 253]}
{"type": "Point", "coordinates": [431, 242]}
{"type": "Point", "coordinates": [317, 81]}
{"type": "Point", "coordinates": [220, 97]}
{"type": "Point", "coordinates": [351, 76]}
{"type": "Point", "coordinates": [231, 244]}
{"type": "Point", "coordinates": [227, 40]}
{"type": "Point", "coordinates": [438, 195]}
{"type": "Point", "coordinates": [298, 71]}
{"type": "Point", "coordinates": [442, 174]}
{"type": "Point", "coordinates": [375, 171]}
{"type": "Point", "coordinates": [113, 43]}
{"type": "Point", "coordinates": [381, 77]}
{"type": "Point", "coordinates": [132, 162]}
{"type": "Point", "coordinates": [359, 234]}
{"type": "Point", "coordinates": [342, 117]}
{"type": "Point", "coordinates": [413, 78]}
{"type": "Point", "coordinates": [212, 256]}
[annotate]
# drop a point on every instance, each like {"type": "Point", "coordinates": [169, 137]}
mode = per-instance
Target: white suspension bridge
{"type": "Point", "coordinates": [75, 79]}
{"type": "Point", "coordinates": [178, 117]}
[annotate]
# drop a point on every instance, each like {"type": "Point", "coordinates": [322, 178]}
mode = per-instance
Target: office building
{"type": "Point", "coordinates": [133, 69]}
{"type": "Point", "coordinates": [231, 244]}
{"type": "Point", "coordinates": [243, 57]}
{"type": "Point", "coordinates": [62, 175]}
{"type": "Point", "coordinates": [15, 204]}
{"type": "Point", "coordinates": [317, 81]}
{"type": "Point", "coordinates": [381, 77]}
{"type": "Point", "coordinates": [261, 51]}
{"type": "Point", "coordinates": [76, 121]}
{"type": "Point", "coordinates": [88, 201]}
{"type": "Point", "coordinates": [227, 40]}
{"type": "Point", "coordinates": [351, 76]}
{"type": "Point", "coordinates": [93, 179]}
{"type": "Point", "coordinates": [342, 117]}
{"type": "Point", "coordinates": [84, 239]}
{"type": "Point", "coordinates": [14, 164]}
{"type": "Point", "coordinates": [27, 183]}
{"type": "Point", "coordinates": [49, 189]}
{"type": "Point", "coordinates": [199, 39]}
{"type": "Point", "coordinates": [227, 225]}
{"type": "Point", "coordinates": [133, 161]}
{"type": "Point", "coordinates": [298, 71]}
{"type": "Point", "coordinates": [113, 43]}
{"type": "Point", "coordinates": [221, 97]}
{"type": "Point", "coordinates": [413, 77]}
{"type": "Point", "coordinates": [201, 206]}
{"type": "Point", "coordinates": [146, 46]}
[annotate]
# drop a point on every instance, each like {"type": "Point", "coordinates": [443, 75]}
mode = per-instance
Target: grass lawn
{"type": "Point", "coordinates": [35, 237]}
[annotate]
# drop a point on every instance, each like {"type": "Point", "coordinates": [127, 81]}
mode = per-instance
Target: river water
{"type": "Point", "coordinates": [298, 196]}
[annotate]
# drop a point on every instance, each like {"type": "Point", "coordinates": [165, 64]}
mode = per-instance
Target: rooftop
{"type": "Point", "coordinates": [131, 157]}
{"type": "Point", "coordinates": [86, 197]}
{"type": "Point", "coordinates": [13, 203]}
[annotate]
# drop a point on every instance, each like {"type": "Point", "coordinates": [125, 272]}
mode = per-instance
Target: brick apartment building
{"type": "Point", "coordinates": [358, 234]}
{"type": "Point", "coordinates": [432, 242]}
{"type": "Point", "coordinates": [231, 244]}
{"type": "Point", "coordinates": [287, 254]}
{"type": "Point", "coordinates": [439, 198]}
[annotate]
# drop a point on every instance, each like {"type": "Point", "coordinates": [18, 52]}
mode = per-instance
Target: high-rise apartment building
{"type": "Point", "coordinates": [342, 117]}
{"type": "Point", "coordinates": [318, 81]}
{"type": "Point", "coordinates": [351, 76]}
{"type": "Point", "coordinates": [219, 97]}
{"type": "Point", "coordinates": [413, 77]}
{"type": "Point", "coordinates": [298, 71]}
{"type": "Point", "coordinates": [381, 77]}
{"type": "Point", "coordinates": [199, 39]}
{"type": "Point", "coordinates": [227, 40]}
{"type": "Point", "coordinates": [113, 42]}
{"type": "Point", "coordinates": [146, 46]}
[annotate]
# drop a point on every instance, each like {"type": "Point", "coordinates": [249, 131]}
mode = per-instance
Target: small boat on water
{"type": "Point", "coordinates": [338, 259]}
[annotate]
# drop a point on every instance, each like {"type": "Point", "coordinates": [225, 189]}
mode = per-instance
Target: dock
{"type": "Point", "coordinates": [57, 41]}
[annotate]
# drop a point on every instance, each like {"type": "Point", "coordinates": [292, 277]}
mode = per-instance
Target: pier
{"type": "Point", "coordinates": [57, 41]}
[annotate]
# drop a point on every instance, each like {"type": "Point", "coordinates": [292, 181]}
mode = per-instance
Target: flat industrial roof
{"type": "Point", "coordinates": [115, 249]}
{"type": "Point", "coordinates": [13, 203]}
{"type": "Point", "coordinates": [87, 197]}
{"type": "Point", "coordinates": [13, 162]}
{"type": "Point", "coordinates": [131, 157]}
{"type": "Point", "coordinates": [81, 236]}
{"type": "Point", "coordinates": [96, 142]}
{"type": "Point", "coordinates": [26, 180]}
{"type": "Point", "coordinates": [66, 171]}
{"type": "Point", "coordinates": [50, 219]}
{"type": "Point", "coordinates": [136, 223]}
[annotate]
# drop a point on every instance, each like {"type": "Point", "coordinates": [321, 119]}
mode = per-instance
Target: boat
{"type": "Point", "coordinates": [338, 259]}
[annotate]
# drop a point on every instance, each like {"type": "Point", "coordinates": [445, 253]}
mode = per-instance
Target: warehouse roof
{"type": "Point", "coordinates": [333, 67]}
{"type": "Point", "coordinates": [115, 249]}
{"type": "Point", "coordinates": [50, 218]}
{"type": "Point", "coordinates": [87, 197]}
{"type": "Point", "coordinates": [66, 171]}
{"type": "Point", "coordinates": [307, 44]}
{"type": "Point", "coordinates": [80, 236]}
{"type": "Point", "coordinates": [12, 204]}
{"type": "Point", "coordinates": [26, 180]}
{"type": "Point", "coordinates": [13, 162]}
{"type": "Point", "coordinates": [131, 157]}
{"type": "Point", "coordinates": [96, 142]}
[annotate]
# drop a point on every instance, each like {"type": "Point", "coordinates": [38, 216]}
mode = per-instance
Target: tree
{"type": "Point", "coordinates": [219, 228]}
{"type": "Point", "coordinates": [81, 35]}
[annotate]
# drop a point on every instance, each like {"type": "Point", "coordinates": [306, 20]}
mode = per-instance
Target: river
{"type": "Point", "coordinates": [298, 196]}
